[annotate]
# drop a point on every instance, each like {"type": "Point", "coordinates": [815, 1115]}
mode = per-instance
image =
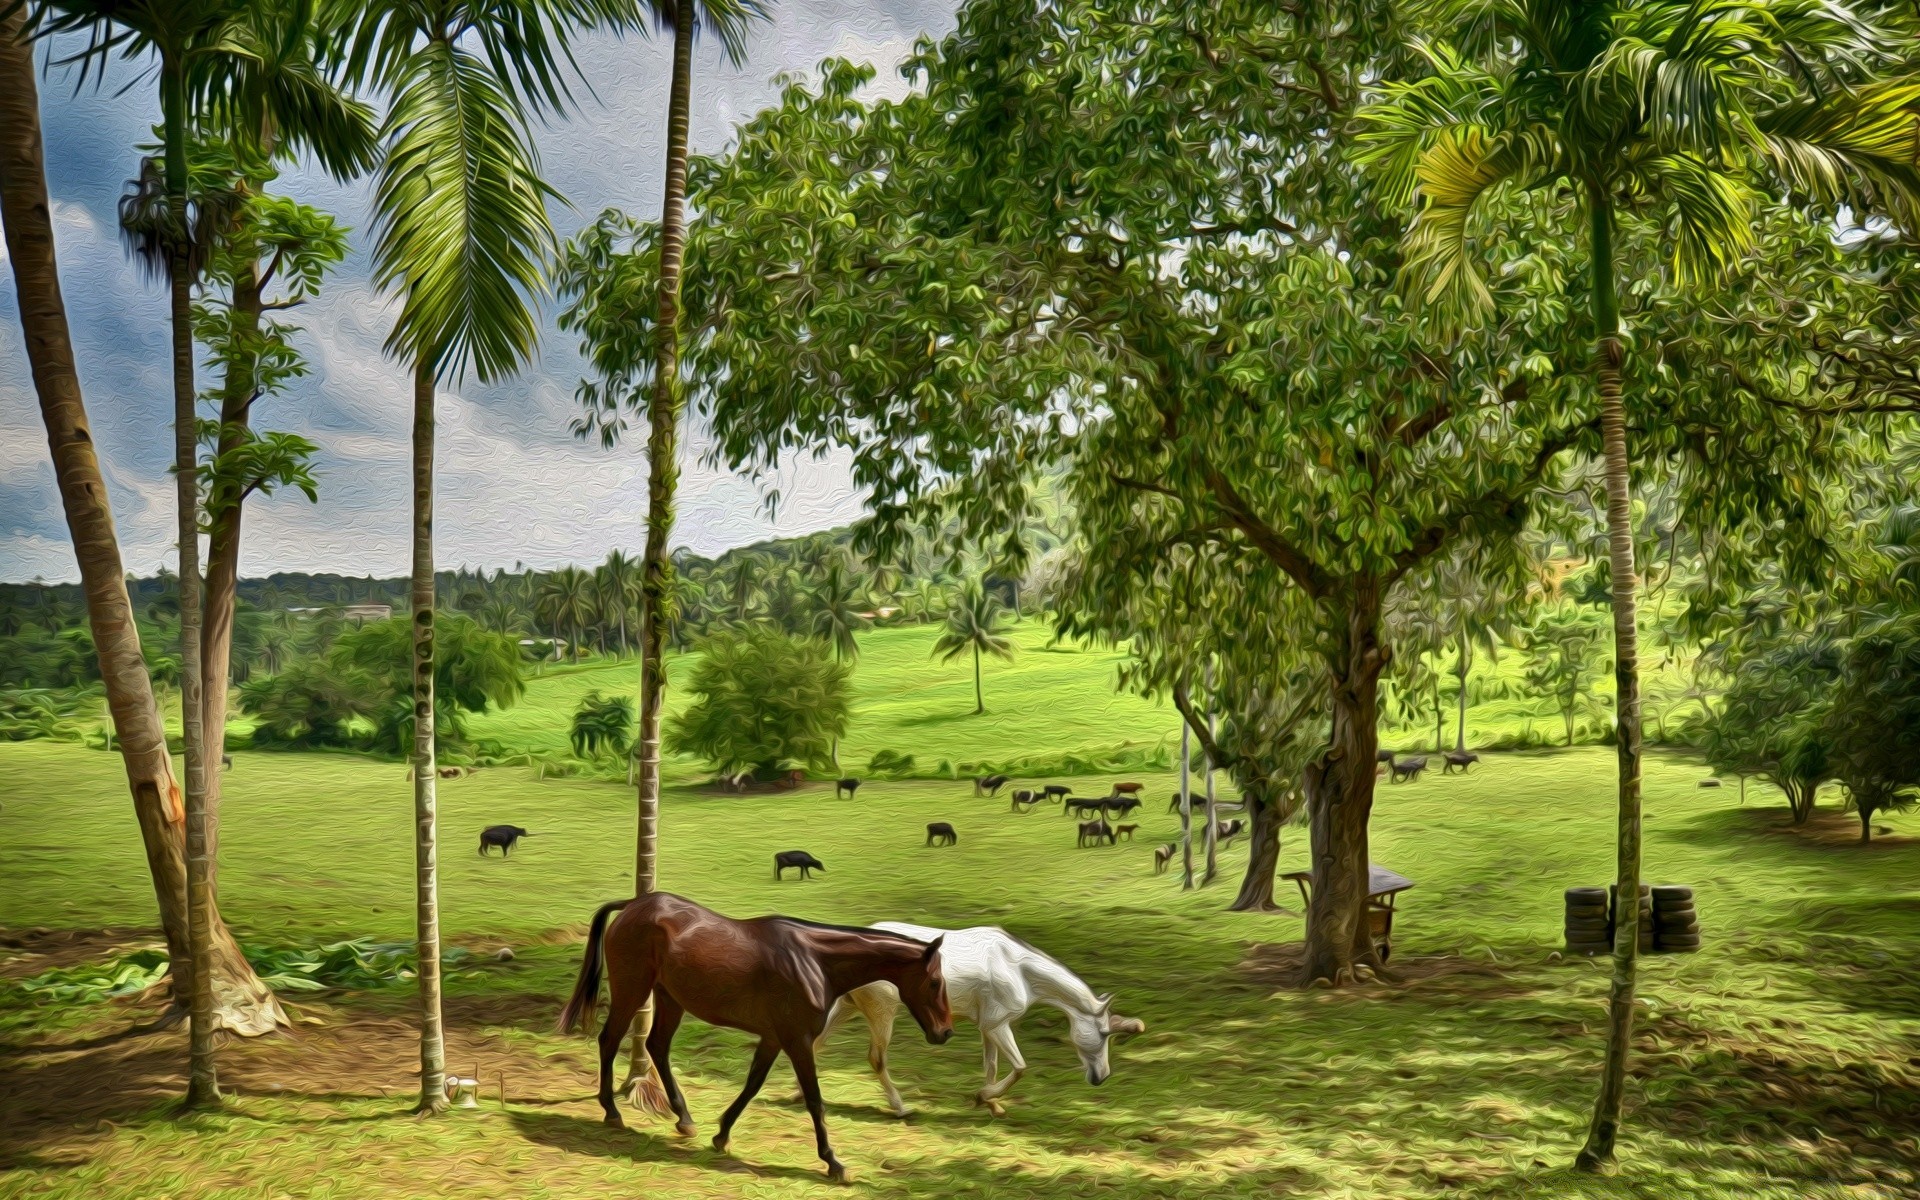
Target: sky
{"type": "Point", "coordinates": [514, 485]}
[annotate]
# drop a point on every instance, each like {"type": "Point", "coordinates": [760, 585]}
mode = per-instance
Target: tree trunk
{"type": "Point", "coordinates": [1604, 1130]}
{"type": "Point", "coordinates": [1866, 824]}
{"type": "Point", "coordinates": [642, 1085]}
{"type": "Point", "coordinates": [1212, 867]}
{"type": "Point", "coordinates": [1186, 807]}
{"type": "Point", "coordinates": [203, 1088]}
{"type": "Point", "coordinates": [1464, 663]}
{"type": "Point", "coordinates": [1266, 814]}
{"type": "Point", "coordinates": [1340, 785]}
{"type": "Point", "coordinates": [979, 700]}
{"type": "Point", "coordinates": [433, 1043]}
{"type": "Point", "coordinates": [26, 219]}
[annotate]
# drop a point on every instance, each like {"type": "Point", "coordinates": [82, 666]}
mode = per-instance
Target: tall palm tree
{"type": "Point", "coordinates": [245, 65]}
{"type": "Point", "coordinates": [974, 624]}
{"type": "Point", "coordinates": [567, 600]}
{"type": "Point", "coordinates": [1680, 106]}
{"type": "Point", "coordinates": [463, 236]}
{"type": "Point", "coordinates": [836, 618]}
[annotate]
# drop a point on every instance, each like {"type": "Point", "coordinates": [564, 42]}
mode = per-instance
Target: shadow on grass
{"type": "Point", "coordinates": [580, 1135]}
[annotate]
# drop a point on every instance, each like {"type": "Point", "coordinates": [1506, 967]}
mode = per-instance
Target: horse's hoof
{"type": "Point", "coordinates": [685, 1129]}
{"type": "Point", "coordinates": [836, 1173]}
{"type": "Point", "coordinates": [996, 1108]}
{"type": "Point", "coordinates": [613, 1121]}
{"type": "Point", "coordinates": [719, 1144]}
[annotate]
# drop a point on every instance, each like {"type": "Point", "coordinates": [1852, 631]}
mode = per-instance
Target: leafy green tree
{"type": "Point", "coordinates": [836, 613]}
{"type": "Point", "coordinates": [1562, 650]}
{"type": "Point", "coordinates": [602, 726]}
{"type": "Point", "coordinates": [475, 668]}
{"type": "Point", "coordinates": [1773, 720]}
{"type": "Point", "coordinates": [764, 701]}
{"type": "Point", "coordinates": [619, 586]}
{"type": "Point", "coordinates": [1875, 720]}
{"type": "Point", "coordinates": [973, 625]}
{"type": "Point", "coordinates": [1675, 107]}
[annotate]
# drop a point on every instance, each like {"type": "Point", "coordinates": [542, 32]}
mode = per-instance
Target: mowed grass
{"type": "Point", "coordinates": [1776, 1063]}
{"type": "Point", "coordinates": [1048, 701]}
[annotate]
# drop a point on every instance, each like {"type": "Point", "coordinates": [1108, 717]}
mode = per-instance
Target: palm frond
{"type": "Point", "coordinates": [1861, 147]}
{"type": "Point", "coordinates": [461, 217]}
{"type": "Point", "coordinates": [1459, 168]}
{"type": "Point", "coordinates": [1710, 212]}
{"type": "Point", "coordinates": [1397, 133]}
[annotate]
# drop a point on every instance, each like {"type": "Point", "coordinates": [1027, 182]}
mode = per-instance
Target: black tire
{"type": "Point", "coordinates": [1585, 910]}
{"type": "Point", "coordinates": [1586, 895]}
{"type": "Point", "coordinates": [1680, 945]}
{"type": "Point", "coordinates": [1587, 928]}
{"type": "Point", "coordinates": [1587, 918]}
{"type": "Point", "coordinates": [1690, 929]}
{"type": "Point", "coordinates": [1672, 891]}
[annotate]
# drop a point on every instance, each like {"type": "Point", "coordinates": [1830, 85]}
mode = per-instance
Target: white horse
{"type": "Point", "coordinates": [992, 979]}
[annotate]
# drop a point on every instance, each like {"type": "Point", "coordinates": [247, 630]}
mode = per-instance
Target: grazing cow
{"type": "Point", "coordinates": [1408, 768]}
{"type": "Point", "coordinates": [1084, 808]}
{"type": "Point", "coordinates": [1125, 831]}
{"type": "Point", "coordinates": [939, 833]}
{"type": "Point", "coordinates": [1024, 802]}
{"type": "Point", "coordinates": [1126, 789]}
{"type": "Point", "coordinates": [1709, 783]}
{"type": "Point", "coordinates": [1458, 758]}
{"type": "Point", "coordinates": [468, 770]}
{"type": "Point", "coordinates": [1092, 833]}
{"type": "Point", "coordinates": [1226, 831]}
{"type": "Point", "coordinates": [799, 859]}
{"type": "Point", "coordinates": [1383, 756]}
{"type": "Point", "coordinates": [1119, 806]}
{"type": "Point", "coordinates": [993, 783]}
{"type": "Point", "coordinates": [1162, 855]}
{"type": "Point", "coordinates": [1024, 796]}
{"type": "Point", "coordinates": [1055, 791]}
{"type": "Point", "coordinates": [503, 836]}
{"type": "Point", "coordinates": [849, 786]}
{"type": "Point", "coordinates": [226, 762]}
{"type": "Point", "coordinates": [449, 772]}
{"type": "Point", "coordinates": [1173, 805]}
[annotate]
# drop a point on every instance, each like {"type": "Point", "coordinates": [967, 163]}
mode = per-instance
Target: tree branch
{"type": "Point", "coordinates": [1430, 540]}
{"type": "Point", "coordinates": [1284, 554]}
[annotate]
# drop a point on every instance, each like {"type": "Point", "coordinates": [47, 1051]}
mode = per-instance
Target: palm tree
{"type": "Point", "coordinates": [1679, 106]}
{"type": "Point", "coordinates": [245, 65]}
{"type": "Point", "coordinates": [619, 586]}
{"type": "Point", "coordinates": [463, 235]}
{"type": "Point", "coordinates": [836, 618]}
{"type": "Point", "coordinates": [974, 624]}
{"type": "Point", "coordinates": [566, 598]}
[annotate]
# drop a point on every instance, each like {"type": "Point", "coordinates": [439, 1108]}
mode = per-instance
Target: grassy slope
{"type": "Point", "coordinates": [1777, 1060]}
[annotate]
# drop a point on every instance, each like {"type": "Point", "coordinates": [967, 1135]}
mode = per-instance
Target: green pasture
{"type": "Point", "coordinates": [1775, 1063]}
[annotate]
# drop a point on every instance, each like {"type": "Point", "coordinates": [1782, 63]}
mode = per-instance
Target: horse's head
{"type": "Point", "coordinates": [924, 990]}
{"type": "Point", "coordinates": [1092, 1031]}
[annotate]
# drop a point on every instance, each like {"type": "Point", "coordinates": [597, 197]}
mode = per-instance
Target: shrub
{"type": "Point", "coordinates": [890, 763]}
{"type": "Point", "coordinates": [603, 726]}
{"type": "Point", "coordinates": [765, 702]}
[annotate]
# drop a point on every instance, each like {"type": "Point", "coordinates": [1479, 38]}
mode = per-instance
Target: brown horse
{"type": "Point", "coordinates": [773, 976]}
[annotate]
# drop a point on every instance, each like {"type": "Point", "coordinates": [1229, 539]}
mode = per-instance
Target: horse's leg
{"type": "Point", "coordinates": [881, 1011]}
{"type": "Point", "coordinates": [666, 1019]}
{"type": "Point", "coordinates": [763, 1056]}
{"type": "Point", "coordinates": [624, 997]}
{"type": "Point", "coordinates": [1001, 1037]}
{"type": "Point", "coordinates": [800, 1054]}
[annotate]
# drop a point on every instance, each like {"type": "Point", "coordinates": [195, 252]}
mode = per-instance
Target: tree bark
{"type": "Point", "coordinates": [1340, 785]}
{"type": "Point", "coordinates": [26, 217]}
{"type": "Point", "coordinates": [1266, 814]}
{"type": "Point", "coordinates": [433, 1043]}
{"type": "Point", "coordinates": [1605, 1127]}
{"type": "Point", "coordinates": [1464, 663]}
{"type": "Point", "coordinates": [1212, 867]}
{"type": "Point", "coordinates": [642, 1084]}
{"type": "Point", "coordinates": [203, 1088]}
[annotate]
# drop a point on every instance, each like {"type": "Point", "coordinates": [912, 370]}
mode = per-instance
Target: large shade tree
{"type": "Point", "coordinates": [1680, 108]}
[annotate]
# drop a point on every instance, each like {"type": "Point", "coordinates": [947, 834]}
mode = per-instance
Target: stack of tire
{"type": "Point", "coordinates": [1676, 926]}
{"type": "Point", "coordinates": [1589, 925]}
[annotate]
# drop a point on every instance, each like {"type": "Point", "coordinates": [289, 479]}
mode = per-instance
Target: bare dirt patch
{"type": "Point", "coordinates": [27, 952]}
{"type": "Point", "coordinates": [1283, 965]}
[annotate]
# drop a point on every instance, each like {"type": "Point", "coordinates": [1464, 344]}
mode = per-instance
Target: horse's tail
{"type": "Point", "coordinates": [586, 990]}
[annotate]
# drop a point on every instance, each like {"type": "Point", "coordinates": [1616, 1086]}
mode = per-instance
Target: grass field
{"type": "Point", "coordinates": [1779, 1062]}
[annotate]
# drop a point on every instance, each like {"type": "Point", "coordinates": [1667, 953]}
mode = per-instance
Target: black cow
{"type": "Point", "coordinates": [1383, 756]}
{"type": "Point", "coordinates": [503, 836]}
{"type": "Point", "coordinates": [1094, 832]}
{"type": "Point", "coordinates": [1119, 806]}
{"type": "Point", "coordinates": [990, 784]}
{"type": "Point", "coordinates": [1226, 831]}
{"type": "Point", "coordinates": [1173, 805]}
{"type": "Point", "coordinates": [226, 762]}
{"type": "Point", "coordinates": [939, 833]}
{"type": "Point", "coordinates": [1458, 758]}
{"type": "Point", "coordinates": [1084, 808]}
{"type": "Point", "coordinates": [796, 858]}
{"type": "Point", "coordinates": [1407, 768]}
{"type": "Point", "coordinates": [1055, 791]}
{"type": "Point", "coordinates": [849, 786]}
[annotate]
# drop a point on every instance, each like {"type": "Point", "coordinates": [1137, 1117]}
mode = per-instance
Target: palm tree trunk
{"type": "Point", "coordinates": [1604, 1130]}
{"type": "Point", "coordinates": [642, 1084]}
{"type": "Point", "coordinates": [433, 1044]}
{"type": "Point", "coordinates": [979, 699]}
{"type": "Point", "coordinates": [202, 1082]}
{"type": "Point", "coordinates": [1464, 663]}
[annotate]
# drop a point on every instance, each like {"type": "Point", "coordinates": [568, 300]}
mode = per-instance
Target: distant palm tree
{"type": "Point", "coordinates": [836, 616]}
{"type": "Point", "coordinates": [619, 582]}
{"type": "Point", "coordinates": [502, 615]}
{"type": "Point", "coordinates": [974, 624]}
{"type": "Point", "coordinates": [566, 600]}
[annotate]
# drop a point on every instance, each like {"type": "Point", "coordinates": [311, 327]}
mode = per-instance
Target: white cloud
{"type": "Point", "coordinates": [513, 484]}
